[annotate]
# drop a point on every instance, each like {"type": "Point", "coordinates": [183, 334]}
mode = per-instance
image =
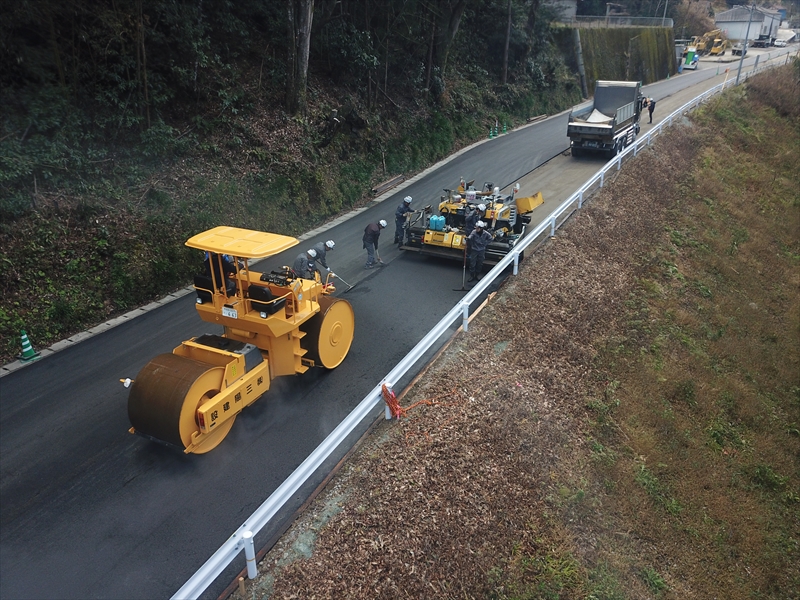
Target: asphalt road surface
{"type": "Point", "coordinates": [90, 511]}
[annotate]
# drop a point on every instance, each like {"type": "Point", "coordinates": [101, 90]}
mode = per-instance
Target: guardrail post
{"type": "Point", "coordinates": [465, 316]}
{"type": "Point", "coordinates": [387, 412]}
{"type": "Point", "coordinates": [552, 227]}
{"type": "Point", "coordinates": [515, 270]}
{"type": "Point", "coordinates": [580, 199]}
{"type": "Point", "coordinates": [250, 554]}
{"type": "Point", "coordinates": [619, 162]}
{"type": "Point", "coordinates": [602, 177]}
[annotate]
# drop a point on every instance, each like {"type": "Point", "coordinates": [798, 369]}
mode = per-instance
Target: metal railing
{"type": "Point", "coordinates": [242, 538]}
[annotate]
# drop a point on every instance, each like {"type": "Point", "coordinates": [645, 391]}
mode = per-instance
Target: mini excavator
{"type": "Point", "coordinates": [273, 324]}
{"type": "Point", "coordinates": [444, 235]}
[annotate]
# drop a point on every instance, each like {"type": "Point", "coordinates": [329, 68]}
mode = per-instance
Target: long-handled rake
{"type": "Point", "coordinates": [463, 274]}
{"type": "Point", "coordinates": [349, 287]}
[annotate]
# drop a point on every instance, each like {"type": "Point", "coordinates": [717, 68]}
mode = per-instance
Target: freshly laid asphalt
{"type": "Point", "coordinates": [90, 511]}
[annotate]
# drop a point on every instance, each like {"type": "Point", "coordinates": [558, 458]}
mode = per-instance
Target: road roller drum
{"type": "Point", "coordinates": [329, 333]}
{"type": "Point", "coordinates": [165, 396]}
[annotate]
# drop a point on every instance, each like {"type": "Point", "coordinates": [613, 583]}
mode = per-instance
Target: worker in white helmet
{"type": "Point", "coordinates": [305, 264]}
{"type": "Point", "coordinates": [322, 249]}
{"type": "Point", "coordinates": [371, 234]}
{"type": "Point", "coordinates": [477, 242]}
{"type": "Point", "coordinates": [400, 219]}
{"type": "Point", "coordinates": [473, 217]}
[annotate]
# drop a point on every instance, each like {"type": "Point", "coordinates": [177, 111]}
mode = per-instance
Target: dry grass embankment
{"type": "Point", "coordinates": [622, 421]}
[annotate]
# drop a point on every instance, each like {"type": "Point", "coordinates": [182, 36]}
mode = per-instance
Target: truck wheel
{"type": "Point", "coordinates": [576, 152]}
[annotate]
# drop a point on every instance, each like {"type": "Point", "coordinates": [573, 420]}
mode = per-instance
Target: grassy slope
{"type": "Point", "coordinates": [625, 424]}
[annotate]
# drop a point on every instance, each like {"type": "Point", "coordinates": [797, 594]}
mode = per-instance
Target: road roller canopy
{"type": "Point", "coordinates": [244, 243]}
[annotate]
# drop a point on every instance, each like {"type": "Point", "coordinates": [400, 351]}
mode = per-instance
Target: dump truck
{"type": "Point", "coordinates": [274, 324]}
{"type": "Point", "coordinates": [610, 122]}
{"type": "Point", "coordinates": [763, 41]}
{"type": "Point", "coordinates": [445, 234]}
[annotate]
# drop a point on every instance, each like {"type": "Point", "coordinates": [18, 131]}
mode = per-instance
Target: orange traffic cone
{"type": "Point", "coordinates": [27, 350]}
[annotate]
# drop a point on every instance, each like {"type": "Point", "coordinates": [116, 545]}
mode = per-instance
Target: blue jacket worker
{"type": "Point", "coordinates": [322, 249]}
{"type": "Point", "coordinates": [371, 234]}
{"type": "Point", "coordinates": [223, 269]}
{"type": "Point", "coordinates": [477, 242]}
{"type": "Point", "coordinates": [400, 218]}
{"type": "Point", "coordinates": [473, 217]}
{"type": "Point", "coordinates": [304, 265]}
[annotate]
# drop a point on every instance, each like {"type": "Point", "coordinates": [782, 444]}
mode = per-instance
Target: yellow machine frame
{"type": "Point", "coordinates": [191, 397]}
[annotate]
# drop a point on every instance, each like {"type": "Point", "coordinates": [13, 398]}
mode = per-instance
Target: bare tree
{"type": "Point", "coordinates": [301, 15]}
{"type": "Point", "coordinates": [447, 22]}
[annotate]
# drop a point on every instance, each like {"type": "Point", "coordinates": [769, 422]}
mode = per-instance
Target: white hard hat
{"type": "Point", "coordinates": [329, 244]}
{"type": "Point", "coordinates": [407, 199]}
{"type": "Point", "coordinates": [382, 223]}
{"type": "Point", "coordinates": [497, 191]}
{"type": "Point", "coordinates": [312, 253]}
{"type": "Point", "coordinates": [480, 224]}
{"type": "Point", "coordinates": [481, 207]}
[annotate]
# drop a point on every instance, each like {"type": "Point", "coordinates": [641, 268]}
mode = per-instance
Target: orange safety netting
{"type": "Point", "coordinates": [394, 404]}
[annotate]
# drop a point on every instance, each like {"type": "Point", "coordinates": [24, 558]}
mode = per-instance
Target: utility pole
{"type": "Point", "coordinates": [746, 43]}
{"type": "Point", "coordinates": [664, 18]}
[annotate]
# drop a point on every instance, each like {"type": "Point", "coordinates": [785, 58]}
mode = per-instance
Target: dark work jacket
{"type": "Point", "coordinates": [303, 267]}
{"type": "Point", "coordinates": [212, 262]}
{"type": "Point", "coordinates": [371, 234]}
{"type": "Point", "coordinates": [402, 210]}
{"type": "Point", "coordinates": [322, 250]}
{"type": "Point", "coordinates": [478, 240]}
{"type": "Point", "coordinates": [472, 218]}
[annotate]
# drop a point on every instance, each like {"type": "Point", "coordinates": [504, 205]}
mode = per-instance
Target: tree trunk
{"type": "Point", "coordinates": [143, 53]}
{"type": "Point", "coordinates": [62, 80]}
{"type": "Point", "coordinates": [530, 27]}
{"type": "Point", "coordinates": [301, 14]}
{"type": "Point", "coordinates": [448, 20]}
{"type": "Point", "coordinates": [508, 42]}
{"type": "Point", "coordinates": [429, 62]}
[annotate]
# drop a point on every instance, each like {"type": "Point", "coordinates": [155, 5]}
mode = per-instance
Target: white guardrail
{"type": "Point", "coordinates": [242, 538]}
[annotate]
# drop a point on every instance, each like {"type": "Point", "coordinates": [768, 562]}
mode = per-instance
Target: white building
{"type": "Point", "coordinates": [763, 24]}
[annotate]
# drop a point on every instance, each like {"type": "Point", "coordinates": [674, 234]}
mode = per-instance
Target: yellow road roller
{"type": "Point", "coordinates": [273, 324]}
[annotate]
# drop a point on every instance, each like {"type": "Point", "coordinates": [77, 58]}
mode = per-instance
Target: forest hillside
{"type": "Point", "coordinates": [129, 126]}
